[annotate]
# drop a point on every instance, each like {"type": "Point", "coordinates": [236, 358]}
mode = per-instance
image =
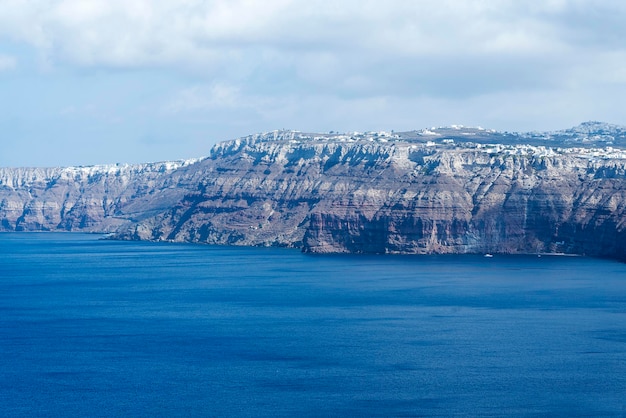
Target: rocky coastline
{"type": "Point", "coordinates": [435, 191]}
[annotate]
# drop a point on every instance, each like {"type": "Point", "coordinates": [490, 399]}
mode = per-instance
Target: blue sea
{"type": "Point", "coordinates": [91, 327]}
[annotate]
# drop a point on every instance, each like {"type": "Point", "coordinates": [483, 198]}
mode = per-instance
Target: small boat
{"type": "Point", "coordinates": [488, 255]}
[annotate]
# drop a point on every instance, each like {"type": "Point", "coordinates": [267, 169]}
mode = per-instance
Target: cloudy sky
{"type": "Point", "coordinates": [103, 81]}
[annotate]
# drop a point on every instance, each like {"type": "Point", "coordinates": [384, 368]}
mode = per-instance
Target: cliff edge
{"type": "Point", "coordinates": [441, 190]}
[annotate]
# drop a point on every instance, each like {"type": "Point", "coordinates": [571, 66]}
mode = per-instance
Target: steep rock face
{"type": "Point", "coordinates": [97, 198]}
{"type": "Point", "coordinates": [444, 190]}
{"type": "Point", "coordinates": [325, 195]}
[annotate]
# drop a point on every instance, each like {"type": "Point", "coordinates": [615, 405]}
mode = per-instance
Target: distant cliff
{"type": "Point", "coordinates": [445, 190]}
{"type": "Point", "coordinates": [89, 199]}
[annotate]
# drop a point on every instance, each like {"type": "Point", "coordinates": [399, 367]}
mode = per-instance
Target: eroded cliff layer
{"type": "Point", "coordinates": [397, 196]}
{"type": "Point", "coordinates": [89, 199]}
{"type": "Point", "coordinates": [432, 191]}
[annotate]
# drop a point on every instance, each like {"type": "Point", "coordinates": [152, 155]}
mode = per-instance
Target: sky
{"type": "Point", "coordinates": [88, 82]}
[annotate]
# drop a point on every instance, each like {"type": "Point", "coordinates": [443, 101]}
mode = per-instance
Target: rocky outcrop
{"type": "Point", "coordinates": [451, 190]}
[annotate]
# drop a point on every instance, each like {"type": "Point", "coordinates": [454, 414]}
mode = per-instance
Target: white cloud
{"type": "Point", "coordinates": [145, 32]}
{"type": "Point", "coordinates": [204, 98]}
{"type": "Point", "coordinates": [7, 62]}
{"type": "Point", "coordinates": [327, 64]}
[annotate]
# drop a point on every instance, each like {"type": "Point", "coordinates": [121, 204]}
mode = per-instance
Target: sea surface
{"type": "Point", "coordinates": [91, 327]}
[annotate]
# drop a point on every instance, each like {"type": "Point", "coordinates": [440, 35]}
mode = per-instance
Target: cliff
{"type": "Point", "coordinates": [447, 190]}
{"type": "Point", "coordinates": [89, 199]}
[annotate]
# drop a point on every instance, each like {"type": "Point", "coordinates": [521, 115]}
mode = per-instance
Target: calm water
{"type": "Point", "coordinates": [102, 328]}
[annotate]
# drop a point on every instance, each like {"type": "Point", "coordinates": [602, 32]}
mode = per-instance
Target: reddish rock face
{"type": "Point", "coordinates": [401, 197]}
{"type": "Point", "coordinates": [356, 194]}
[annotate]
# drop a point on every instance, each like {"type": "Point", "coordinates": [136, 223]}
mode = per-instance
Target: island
{"type": "Point", "coordinates": [430, 191]}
